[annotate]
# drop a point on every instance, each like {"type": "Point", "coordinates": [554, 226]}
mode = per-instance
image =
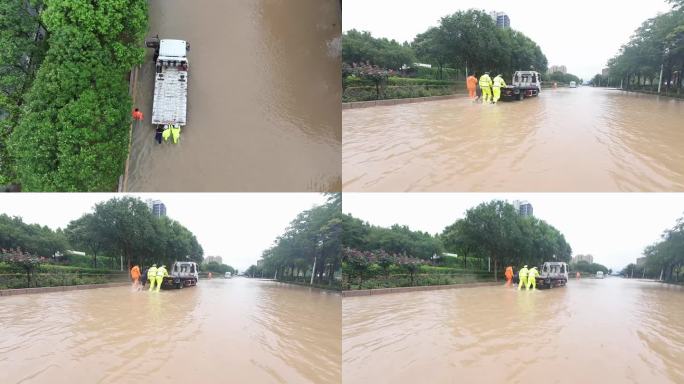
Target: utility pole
{"type": "Point", "coordinates": [313, 270]}
{"type": "Point", "coordinates": [660, 82]}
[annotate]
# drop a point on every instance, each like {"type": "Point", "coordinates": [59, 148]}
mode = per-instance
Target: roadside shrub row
{"type": "Point", "coordinates": [52, 268]}
{"type": "Point", "coordinates": [354, 81]}
{"type": "Point", "coordinates": [379, 269]}
{"type": "Point", "coordinates": [73, 135]}
{"type": "Point", "coordinates": [397, 92]}
{"type": "Point", "coordinates": [19, 280]}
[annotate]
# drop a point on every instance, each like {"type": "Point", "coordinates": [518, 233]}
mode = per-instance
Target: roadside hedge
{"type": "Point", "coordinates": [73, 135]}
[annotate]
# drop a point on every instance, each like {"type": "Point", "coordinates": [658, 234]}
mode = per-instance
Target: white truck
{"type": "Point", "coordinates": [170, 82]}
{"type": "Point", "coordinates": [552, 274]}
{"type": "Point", "coordinates": [524, 84]}
{"type": "Point", "coordinates": [182, 274]}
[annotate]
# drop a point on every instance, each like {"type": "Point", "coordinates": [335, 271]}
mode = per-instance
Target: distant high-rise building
{"type": "Point", "coordinates": [501, 19]}
{"type": "Point", "coordinates": [157, 208]}
{"type": "Point", "coordinates": [558, 68]}
{"type": "Point", "coordinates": [217, 259]}
{"type": "Point", "coordinates": [587, 258]}
{"type": "Point", "coordinates": [523, 208]}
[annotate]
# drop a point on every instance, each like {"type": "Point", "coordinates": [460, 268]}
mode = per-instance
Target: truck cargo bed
{"type": "Point", "coordinates": [170, 96]}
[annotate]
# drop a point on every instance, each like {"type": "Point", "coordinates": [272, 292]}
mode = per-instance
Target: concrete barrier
{"type": "Point", "coordinates": [379, 103]}
{"type": "Point", "coordinates": [384, 291]}
{"type": "Point", "coordinates": [28, 291]}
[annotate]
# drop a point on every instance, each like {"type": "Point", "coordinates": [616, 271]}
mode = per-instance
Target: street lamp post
{"type": "Point", "coordinates": [662, 64]}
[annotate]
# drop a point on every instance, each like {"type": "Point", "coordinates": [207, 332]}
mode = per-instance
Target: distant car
{"type": "Point", "coordinates": [573, 84]}
{"type": "Point", "coordinates": [599, 275]}
{"type": "Point", "coordinates": [228, 275]}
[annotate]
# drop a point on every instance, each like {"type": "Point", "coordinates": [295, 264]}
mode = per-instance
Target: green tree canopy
{"type": "Point", "coordinates": [312, 242]}
{"type": "Point", "coordinates": [73, 134]}
{"type": "Point", "coordinates": [362, 47]}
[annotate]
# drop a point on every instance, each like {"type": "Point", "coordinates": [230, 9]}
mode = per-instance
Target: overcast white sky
{"type": "Point", "coordinates": [614, 228]}
{"type": "Point", "coordinates": [581, 34]}
{"type": "Point", "coordinates": [237, 227]}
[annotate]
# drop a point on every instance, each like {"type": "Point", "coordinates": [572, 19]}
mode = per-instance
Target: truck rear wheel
{"type": "Point", "coordinates": [521, 95]}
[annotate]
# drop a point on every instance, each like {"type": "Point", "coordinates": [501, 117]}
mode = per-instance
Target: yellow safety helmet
{"type": "Point", "coordinates": [525, 266]}
{"type": "Point", "coordinates": [154, 265]}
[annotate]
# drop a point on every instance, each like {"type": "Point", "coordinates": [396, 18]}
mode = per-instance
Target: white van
{"type": "Point", "coordinates": [228, 275]}
{"type": "Point", "coordinates": [573, 84]}
{"type": "Point", "coordinates": [599, 275]}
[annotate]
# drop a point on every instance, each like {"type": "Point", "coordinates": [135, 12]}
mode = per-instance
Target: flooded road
{"type": "Point", "coordinates": [237, 330]}
{"type": "Point", "coordinates": [263, 104]}
{"type": "Point", "coordinates": [582, 139]}
{"type": "Point", "coordinates": [592, 331]}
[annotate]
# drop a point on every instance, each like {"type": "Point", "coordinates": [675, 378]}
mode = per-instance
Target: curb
{"type": "Point", "coordinates": [63, 288]}
{"type": "Point", "coordinates": [384, 291]}
{"type": "Point", "coordinates": [380, 103]}
{"type": "Point", "coordinates": [132, 86]}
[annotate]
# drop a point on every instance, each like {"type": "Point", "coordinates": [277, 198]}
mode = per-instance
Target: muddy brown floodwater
{"type": "Point", "coordinates": [592, 331]}
{"type": "Point", "coordinates": [582, 139]}
{"type": "Point", "coordinates": [237, 330]}
{"type": "Point", "coordinates": [263, 98]}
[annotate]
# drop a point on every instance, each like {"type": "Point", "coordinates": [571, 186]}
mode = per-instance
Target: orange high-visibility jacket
{"type": "Point", "coordinates": [135, 272]}
{"type": "Point", "coordinates": [471, 82]}
{"type": "Point", "coordinates": [509, 273]}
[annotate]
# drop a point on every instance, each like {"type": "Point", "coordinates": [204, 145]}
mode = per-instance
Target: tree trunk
{"type": "Point", "coordinates": [496, 270]}
{"type": "Point", "coordinates": [313, 271]}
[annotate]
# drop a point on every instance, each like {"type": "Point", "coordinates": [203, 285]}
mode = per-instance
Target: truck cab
{"type": "Point", "coordinates": [524, 84]}
{"type": "Point", "coordinates": [553, 274]}
{"type": "Point", "coordinates": [182, 274]}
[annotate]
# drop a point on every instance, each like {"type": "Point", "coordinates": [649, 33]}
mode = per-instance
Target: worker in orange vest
{"type": "Point", "coordinates": [509, 275]}
{"type": "Point", "coordinates": [471, 83]}
{"type": "Point", "coordinates": [135, 275]}
{"type": "Point", "coordinates": [137, 116]}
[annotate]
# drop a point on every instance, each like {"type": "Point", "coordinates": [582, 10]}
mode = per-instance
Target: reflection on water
{"type": "Point", "coordinates": [264, 98]}
{"type": "Point", "coordinates": [236, 330]}
{"type": "Point", "coordinates": [612, 331]}
{"type": "Point", "coordinates": [582, 139]}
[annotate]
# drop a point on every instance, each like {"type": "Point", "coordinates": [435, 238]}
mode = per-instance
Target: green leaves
{"type": "Point", "coordinates": [315, 234]}
{"type": "Point", "coordinates": [73, 132]}
{"type": "Point", "coordinates": [361, 48]}
{"type": "Point", "coordinates": [658, 41]}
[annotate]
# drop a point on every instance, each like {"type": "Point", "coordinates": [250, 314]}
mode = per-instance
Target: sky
{"type": "Point", "coordinates": [614, 228]}
{"type": "Point", "coordinates": [581, 34]}
{"type": "Point", "coordinates": [237, 227]}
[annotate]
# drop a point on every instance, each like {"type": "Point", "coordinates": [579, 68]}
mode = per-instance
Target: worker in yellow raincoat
{"type": "Point", "coordinates": [152, 275]}
{"type": "Point", "coordinates": [522, 276]}
{"type": "Point", "coordinates": [161, 272]}
{"type": "Point", "coordinates": [486, 86]}
{"type": "Point", "coordinates": [497, 83]}
{"type": "Point", "coordinates": [175, 133]}
{"type": "Point", "coordinates": [166, 133]}
{"type": "Point", "coordinates": [531, 278]}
